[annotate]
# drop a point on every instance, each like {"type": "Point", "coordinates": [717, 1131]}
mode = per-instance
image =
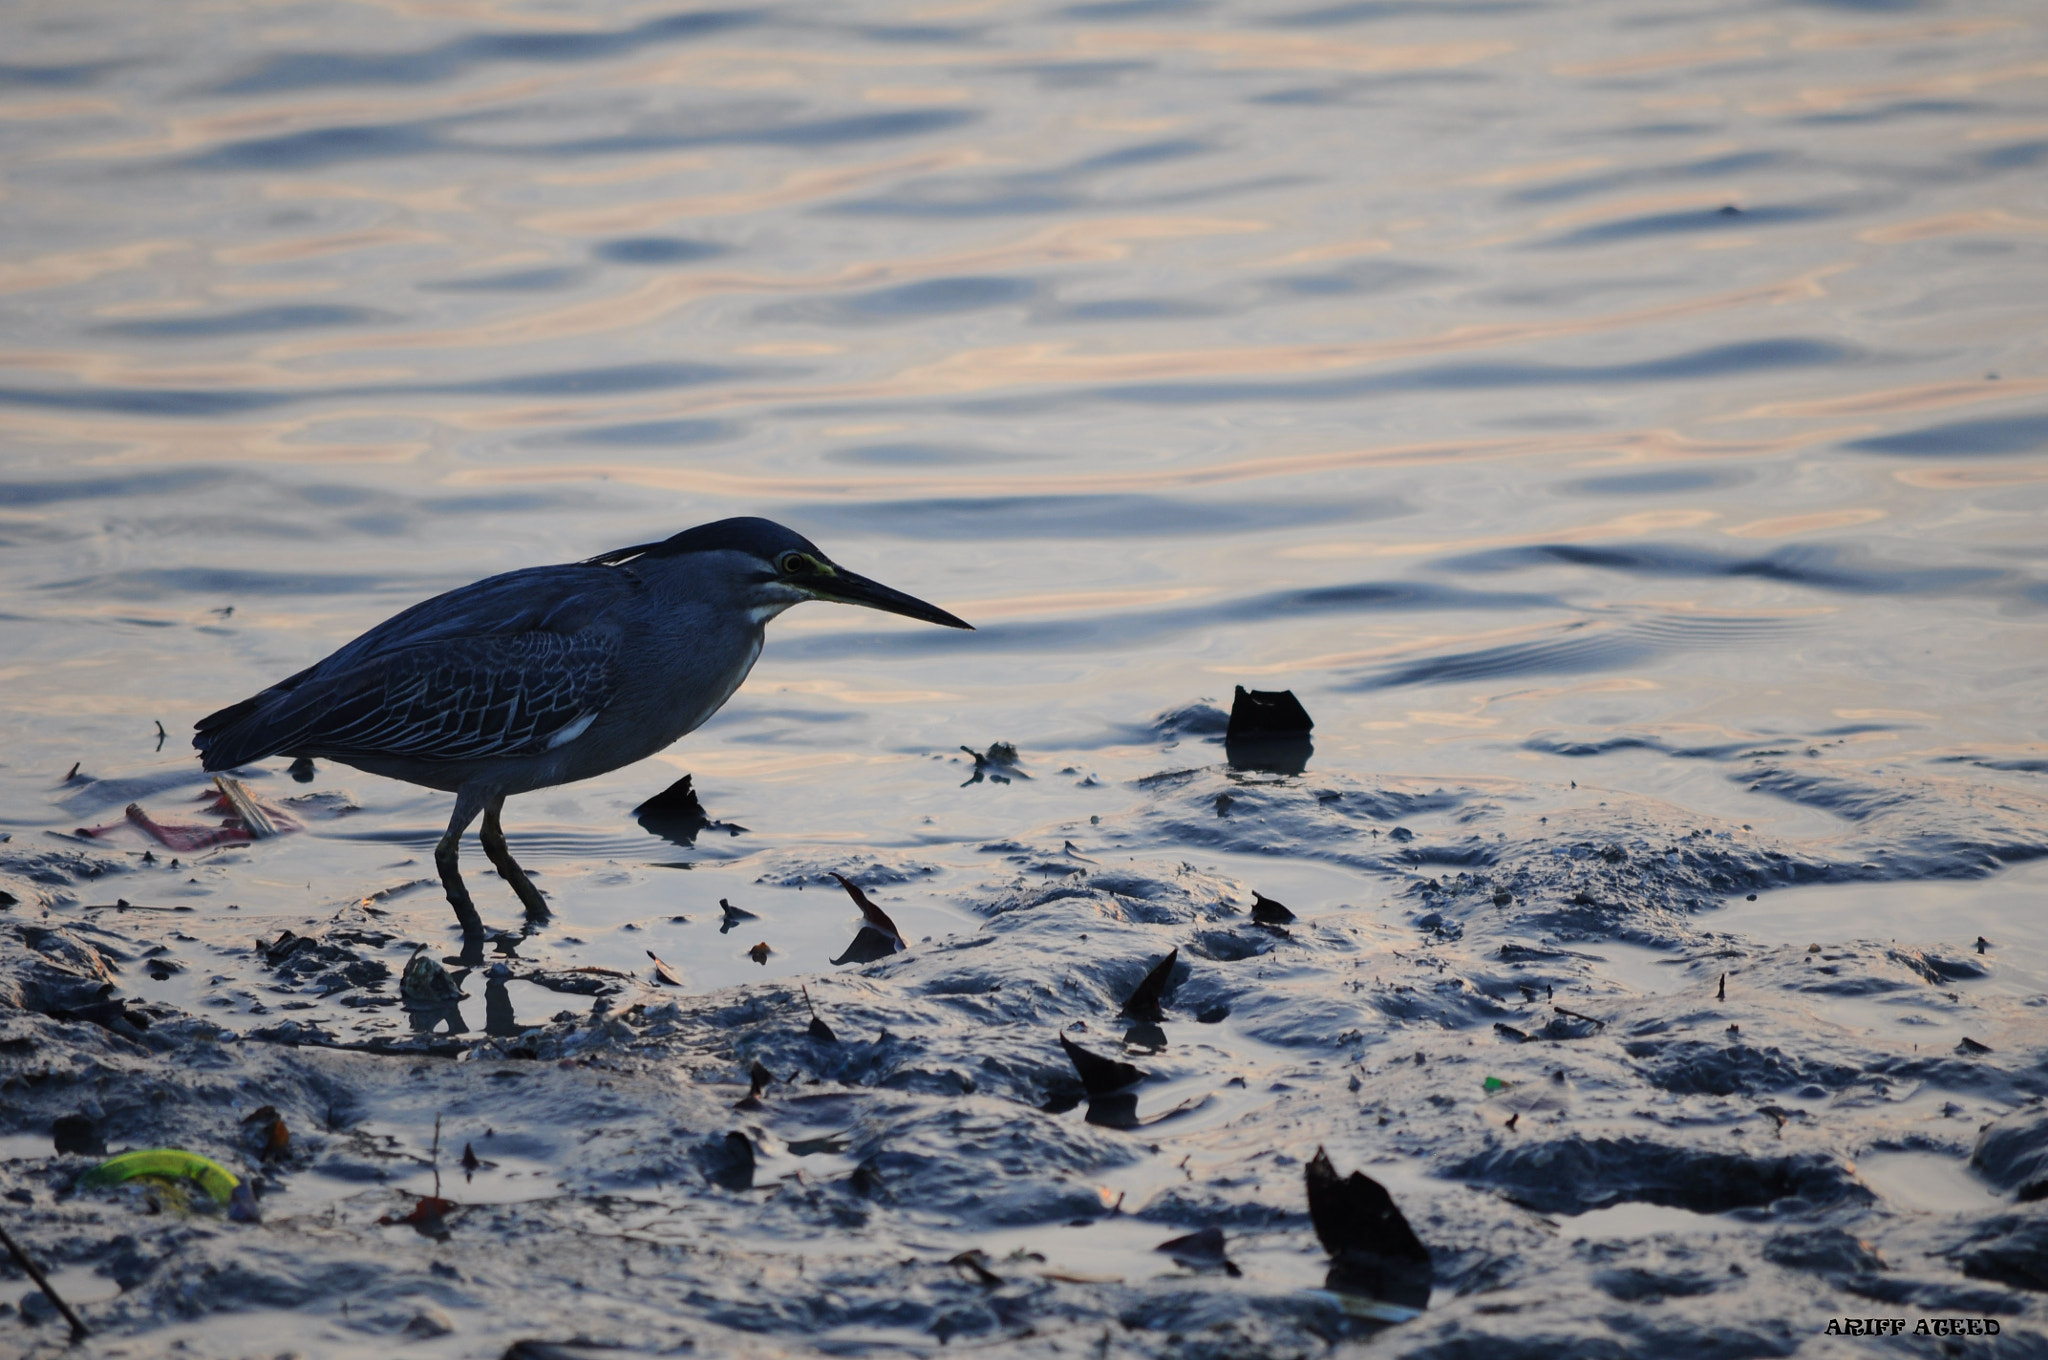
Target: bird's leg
{"type": "Point", "coordinates": [467, 805]}
{"type": "Point", "coordinates": [493, 837]}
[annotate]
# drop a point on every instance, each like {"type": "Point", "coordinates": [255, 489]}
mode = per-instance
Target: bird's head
{"type": "Point", "coordinates": [770, 567]}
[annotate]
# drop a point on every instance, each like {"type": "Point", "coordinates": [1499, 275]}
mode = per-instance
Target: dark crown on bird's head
{"type": "Point", "coordinates": [763, 538]}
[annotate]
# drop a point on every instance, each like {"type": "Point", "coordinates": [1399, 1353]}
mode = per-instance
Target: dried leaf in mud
{"type": "Point", "coordinates": [973, 1264]}
{"type": "Point", "coordinates": [1099, 1075]}
{"type": "Point", "coordinates": [872, 914]}
{"type": "Point", "coordinates": [1143, 1002]}
{"type": "Point", "coordinates": [428, 1217]}
{"type": "Point", "coordinates": [869, 945]}
{"type": "Point", "coordinates": [663, 973]}
{"type": "Point", "coordinates": [733, 915]}
{"type": "Point", "coordinates": [818, 1029]}
{"type": "Point", "coordinates": [68, 952]}
{"type": "Point", "coordinates": [1267, 912]}
{"type": "Point", "coordinates": [1373, 1251]}
{"type": "Point", "coordinates": [1201, 1250]}
{"type": "Point", "coordinates": [733, 1162]}
{"type": "Point", "coordinates": [562, 1350]}
{"type": "Point", "coordinates": [77, 1134]}
{"type": "Point", "coordinates": [1145, 1036]}
{"type": "Point", "coordinates": [759, 953]}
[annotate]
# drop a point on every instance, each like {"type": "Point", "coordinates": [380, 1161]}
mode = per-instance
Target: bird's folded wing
{"type": "Point", "coordinates": [454, 698]}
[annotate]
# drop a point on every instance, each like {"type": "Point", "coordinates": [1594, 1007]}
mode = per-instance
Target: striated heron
{"type": "Point", "coordinates": [545, 676]}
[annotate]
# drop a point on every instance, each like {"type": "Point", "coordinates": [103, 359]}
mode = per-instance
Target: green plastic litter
{"type": "Point", "coordinates": [164, 1164]}
{"type": "Point", "coordinates": [1496, 1084]}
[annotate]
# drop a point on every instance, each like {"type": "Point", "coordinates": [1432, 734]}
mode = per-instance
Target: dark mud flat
{"type": "Point", "coordinates": [1620, 1129]}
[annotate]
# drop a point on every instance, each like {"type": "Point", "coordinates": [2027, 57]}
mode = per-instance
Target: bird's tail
{"type": "Point", "coordinates": [233, 736]}
{"type": "Point", "coordinates": [226, 739]}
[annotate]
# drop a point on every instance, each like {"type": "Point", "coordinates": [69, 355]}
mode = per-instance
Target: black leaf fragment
{"type": "Point", "coordinates": [1100, 1075]}
{"type": "Point", "coordinates": [1267, 912]}
{"type": "Point", "coordinates": [1143, 1002]}
{"type": "Point", "coordinates": [1373, 1251]}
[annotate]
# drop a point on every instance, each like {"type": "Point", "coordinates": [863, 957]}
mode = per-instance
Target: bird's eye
{"type": "Point", "coordinates": [792, 563]}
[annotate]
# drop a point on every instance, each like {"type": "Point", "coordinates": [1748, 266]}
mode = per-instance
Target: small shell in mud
{"type": "Point", "coordinates": [426, 985]}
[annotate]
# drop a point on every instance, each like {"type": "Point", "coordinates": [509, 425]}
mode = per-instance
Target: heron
{"type": "Point", "coordinates": [545, 676]}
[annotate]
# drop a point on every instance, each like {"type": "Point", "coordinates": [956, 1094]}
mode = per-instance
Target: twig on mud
{"type": "Point", "coordinates": [79, 1331]}
{"type": "Point", "coordinates": [1589, 1019]}
{"type": "Point", "coordinates": [382, 1048]}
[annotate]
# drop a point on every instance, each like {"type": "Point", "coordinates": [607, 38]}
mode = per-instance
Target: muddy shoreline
{"type": "Point", "coordinates": [1693, 1142]}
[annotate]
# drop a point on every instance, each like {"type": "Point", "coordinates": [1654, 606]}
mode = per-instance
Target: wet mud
{"type": "Point", "coordinates": [1615, 1127]}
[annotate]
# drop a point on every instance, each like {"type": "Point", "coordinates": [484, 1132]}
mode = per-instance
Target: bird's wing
{"type": "Point", "coordinates": [459, 698]}
{"type": "Point", "coordinates": [505, 667]}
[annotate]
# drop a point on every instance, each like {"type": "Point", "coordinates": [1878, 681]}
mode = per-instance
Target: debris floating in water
{"type": "Point", "coordinates": [243, 820]}
{"type": "Point", "coordinates": [252, 813]}
{"type": "Point", "coordinates": [1267, 713]}
{"type": "Point", "coordinates": [760, 952]}
{"type": "Point", "coordinates": [676, 814]}
{"type": "Point", "coordinates": [998, 764]}
{"type": "Point", "coordinates": [663, 974]}
{"type": "Point", "coordinates": [733, 915]}
{"type": "Point", "coordinates": [1269, 730]}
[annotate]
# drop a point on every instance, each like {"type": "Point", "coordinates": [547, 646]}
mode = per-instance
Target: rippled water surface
{"type": "Point", "coordinates": [1569, 403]}
{"type": "Point", "coordinates": [1539, 391]}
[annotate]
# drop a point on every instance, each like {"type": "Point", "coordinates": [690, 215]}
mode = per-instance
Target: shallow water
{"type": "Point", "coordinates": [1615, 422]}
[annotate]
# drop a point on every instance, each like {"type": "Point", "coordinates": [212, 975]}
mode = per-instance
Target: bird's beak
{"type": "Point", "coordinates": [846, 587]}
